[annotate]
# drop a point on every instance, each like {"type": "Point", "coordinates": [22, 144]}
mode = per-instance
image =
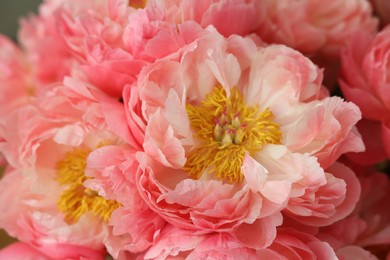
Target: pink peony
{"type": "Point", "coordinates": [23, 251]}
{"type": "Point", "coordinates": [172, 132]}
{"type": "Point", "coordinates": [44, 200]}
{"type": "Point", "coordinates": [93, 32]}
{"type": "Point", "coordinates": [354, 252]}
{"type": "Point", "coordinates": [15, 84]}
{"type": "Point", "coordinates": [245, 16]}
{"type": "Point", "coordinates": [318, 29]}
{"type": "Point", "coordinates": [113, 42]}
{"type": "Point", "coordinates": [293, 244]}
{"type": "Point", "coordinates": [304, 30]}
{"type": "Point", "coordinates": [176, 39]}
{"type": "Point", "coordinates": [223, 128]}
{"type": "Point", "coordinates": [40, 39]}
{"type": "Point", "coordinates": [368, 227]}
{"type": "Point", "coordinates": [113, 169]}
{"type": "Point", "coordinates": [288, 244]}
{"type": "Point", "coordinates": [365, 80]}
{"type": "Point", "coordinates": [15, 79]}
{"type": "Point", "coordinates": [312, 27]}
{"type": "Point", "coordinates": [326, 198]}
{"type": "Point", "coordinates": [316, 26]}
{"type": "Point", "coordinates": [33, 218]}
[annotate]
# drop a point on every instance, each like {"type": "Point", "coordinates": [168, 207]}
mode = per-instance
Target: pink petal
{"type": "Point", "coordinates": [259, 234]}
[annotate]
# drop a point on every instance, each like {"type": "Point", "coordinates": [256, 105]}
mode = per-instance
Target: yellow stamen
{"type": "Point", "coordinates": [77, 200]}
{"type": "Point", "coordinates": [227, 128]}
{"type": "Point", "coordinates": [138, 3]}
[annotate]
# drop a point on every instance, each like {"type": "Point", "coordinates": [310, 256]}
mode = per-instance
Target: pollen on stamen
{"type": "Point", "coordinates": [137, 4]}
{"type": "Point", "coordinates": [226, 136]}
{"type": "Point", "coordinates": [76, 200]}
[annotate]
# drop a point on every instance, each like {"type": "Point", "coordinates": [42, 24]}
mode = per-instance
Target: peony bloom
{"type": "Point", "coordinates": [316, 26]}
{"type": "Point", "coordinates": [94, 33]}
{"type": "Point", "coordinates": [112, 41]}
{"type": "Point", "coordinates": [170, 131]}
{"type": "Point", "coordinates": [23, 251]}
{"type": "Point", "coordinates": [39, 37]}
{"type": "Point", "coordinates": [318, 29]}
{"type": "Point", "coordinates": [367, 229]}
{"type": "Point", "coordinates": [43, 200]}
{"type": "Point", "coordinates": [85, 39]}
{"type": "Point", "coordinates": [245, 16]}
{"type": "Point", "coordinates": [112, 174]}
{"type": "Point", "coordinates": [288, 244]}
{"type": "Point", "coordinates": [233, 134]}
{"type": "Point", "coordinates": [14, 77]}
{"type": "Point", "coordinates": [365, 78]}
{"type": "Point", "coordinates": [293, 244]}
{"type": "Point", "coordinates": [312, 27]}
{"type": "Point", "coordinates": [322, 201]}
{"type": "Point", "coordinates": [33, 218]}
{"type": "Point", "coordinates": [15, 82]}
{"type": "Point", "coordinates": [355, 252]}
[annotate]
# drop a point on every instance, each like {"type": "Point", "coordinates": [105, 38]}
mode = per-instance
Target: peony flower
{"type": "Point", "coordinates": [222, 149]}
{"type": "Point", "coordinates": [84, 39]}
{"type": "Point", "coordinates": [177, 39]}
{"type": "Point", "coordinates": [367, 229]}
{"type": "Point", "coordinates": [14, 82]}
{"type": "Point", "coordinates": [23, 251]}
{"type": "Point", "coordinates": [322, 200]}
{"type": "Point", "coordinates": [318, 29]}
{"type": "Point", "coordinates": [20, 251]}
{"type": "Point", "coordinates": [44, 200]}
{"type": "Point", "coordinates": [93, 32]}
{"type": "Point", "coordinates": [112, 174]}
{"type": "Point", "coordinates": [354, 252]}
{"type": "Point", "coordinates": [316, 26]}
{"type": "Point", "coordinates": [162, 129]}
{"type": "Point", "coordinates": [14, 77]}
{"type": "Point", "coordinates": [39, 38]}
{"type": "Point", "coordinates": [364, 78]}
{"type": "Point", "coordinates": [113, 42]}
{"type": "Point", "coordinates": [312, 26]}
{"type": "Point", "coordinates": [33, 218]}
{"type": "Point", "coordinates": [288, 244]}
{"type": "Point", "coordinates": [244, 16]}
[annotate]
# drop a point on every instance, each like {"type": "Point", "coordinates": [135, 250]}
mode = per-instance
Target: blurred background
{"type": "Point", "coordinates": [10, 13]}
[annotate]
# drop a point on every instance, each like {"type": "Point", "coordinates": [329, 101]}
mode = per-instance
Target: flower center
{"type": "Point", "coordinates": [227, 128]}
{"type": "Point", "coordinates": [76, 199]}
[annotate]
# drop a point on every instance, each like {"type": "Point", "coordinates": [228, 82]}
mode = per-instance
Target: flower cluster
{"type": "Point", "coordinates": [182, 129]}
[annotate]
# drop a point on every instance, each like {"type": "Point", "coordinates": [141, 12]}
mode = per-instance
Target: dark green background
{"type": "Point", "coordinates": [11, 11]}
